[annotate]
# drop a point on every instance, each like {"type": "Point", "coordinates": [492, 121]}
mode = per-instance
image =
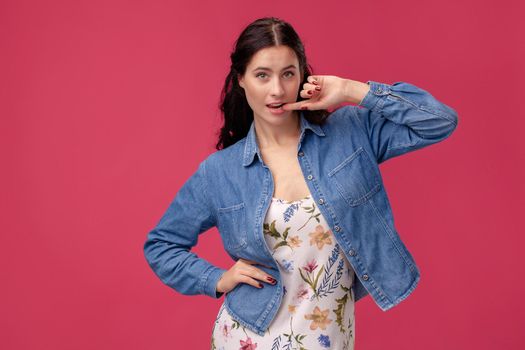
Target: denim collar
{"type": "Point", "coordinates": [251, 148]}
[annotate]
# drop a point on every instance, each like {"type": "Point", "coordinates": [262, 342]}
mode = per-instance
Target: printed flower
{"type": "Point", "coordinates": [247, 344]}
{"type": "Point", "coordinates": [324, 341]}
{"type": "Point", "coordinates": [292, 308]}
{"type": "Point", "coordinates": [287, 265]}
{"type": "Point", "coordinates": [310, 266]}
{"type": "Point", "coordinates": [294, 242]}
{"type": "Point", "coordinates": [319, 318]}
{"type": "Point", "coordinates": [225, 330]}
{"type": "Point", "coordinates": [302, 292]}
{"type": "Point", "coordinates": [320, 237]}
{"type": "Point", "coordinates": [290, 211]}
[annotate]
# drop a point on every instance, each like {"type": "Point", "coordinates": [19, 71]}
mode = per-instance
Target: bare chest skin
{"type": "Point", "coordinates": [288, 178]}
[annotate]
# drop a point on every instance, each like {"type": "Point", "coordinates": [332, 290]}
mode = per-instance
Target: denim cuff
{"type": "Point", "coordinates": [371, 99]}
{"type": "Point", "coordinates": [209, 282]}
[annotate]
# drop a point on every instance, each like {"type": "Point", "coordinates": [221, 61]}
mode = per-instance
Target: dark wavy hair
{"type": "Point", "coordinates": [237, 114]}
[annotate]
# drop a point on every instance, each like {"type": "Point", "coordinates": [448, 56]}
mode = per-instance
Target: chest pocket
{"type": "Point", "coordinates": [356, 178]}
{"type": "Point", "coordinates": [232, 227]}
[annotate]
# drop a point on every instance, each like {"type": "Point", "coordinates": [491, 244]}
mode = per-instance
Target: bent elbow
{"type": "Point", "coordinates": [453, 116]}
{"type": "Point", "coordinates": [149, 248]}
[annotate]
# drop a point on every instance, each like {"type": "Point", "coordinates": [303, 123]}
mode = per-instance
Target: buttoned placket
{"type": "Point", "coordinates": [303, 162]}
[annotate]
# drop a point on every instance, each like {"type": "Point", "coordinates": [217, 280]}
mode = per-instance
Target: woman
{"type": "Point", "coordinates": [298, 199]}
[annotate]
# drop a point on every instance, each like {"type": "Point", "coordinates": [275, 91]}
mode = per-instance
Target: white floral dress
{"type": "Point", "coordinates": [317, 309]}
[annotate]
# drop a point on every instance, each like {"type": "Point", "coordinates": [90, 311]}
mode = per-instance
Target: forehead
{"type": "Point", "coordinates": [275, 57]}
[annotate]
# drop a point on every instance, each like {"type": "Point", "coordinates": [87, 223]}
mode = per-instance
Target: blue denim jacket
{"type": "Point", "coordinates": [232, 189]}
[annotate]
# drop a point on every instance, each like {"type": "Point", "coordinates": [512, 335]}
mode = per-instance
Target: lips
{"type": "Point", "coordinates": [275, 104]}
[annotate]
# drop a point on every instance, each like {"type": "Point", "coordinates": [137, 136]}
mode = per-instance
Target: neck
{"type": "Point", "coordinates": [278, 136]}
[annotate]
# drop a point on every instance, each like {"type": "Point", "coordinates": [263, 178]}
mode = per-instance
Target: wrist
{"type": "Point", "coordinates": [217, 286]}
{"type": "Point", "coordinates": [354, 91]}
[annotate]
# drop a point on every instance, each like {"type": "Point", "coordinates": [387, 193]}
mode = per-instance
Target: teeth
{"type": "Point", "coordinates": [276, 105]}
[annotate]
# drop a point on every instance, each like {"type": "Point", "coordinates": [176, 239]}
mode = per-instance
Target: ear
{"type": "Point", "coordinates": [241, 80]}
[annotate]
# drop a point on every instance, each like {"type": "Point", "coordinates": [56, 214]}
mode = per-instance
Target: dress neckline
{"type": "Point", "coordinates": [280, 200]}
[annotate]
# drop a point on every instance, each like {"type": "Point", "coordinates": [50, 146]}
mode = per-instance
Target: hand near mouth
{"type": "Point", "coordinates": [327, 92]}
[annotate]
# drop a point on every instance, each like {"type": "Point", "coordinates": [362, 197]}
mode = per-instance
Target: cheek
{"type": "Point", "coordinates": [257, 95]}
{"type": "Point", "coordinates": [295, 85]}
{"type": "Point", "coordinates": [254, 98]}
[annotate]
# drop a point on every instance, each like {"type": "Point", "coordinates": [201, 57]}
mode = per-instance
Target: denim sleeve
{"type": "Point", "coordinates": [168, 244]}
{"type": "Point", "coordinates": [401, 118]}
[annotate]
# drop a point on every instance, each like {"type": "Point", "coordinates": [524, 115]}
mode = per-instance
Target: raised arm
{"type": "Point", "coordinates": [167, 247]}
{"type": "Point", "coordinates": [400, 118]}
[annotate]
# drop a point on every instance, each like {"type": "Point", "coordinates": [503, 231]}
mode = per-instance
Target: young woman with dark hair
{"type": "Point", "coordinates": [298, 199]}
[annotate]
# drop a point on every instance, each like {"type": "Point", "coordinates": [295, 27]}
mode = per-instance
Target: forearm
{"type": "Point", "coordinates": [409, 105]}
{"type": "Point", "coordinates": [179, 268]}
{"type": "Point", "coordinates": [354, 91]}
{"type": "Point", "coordinates": [401, 118]}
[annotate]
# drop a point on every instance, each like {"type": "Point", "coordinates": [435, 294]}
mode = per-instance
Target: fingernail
{"type": "Point", "coordinates": [271, 279]}
{"type": "Point", "coordinates": [304, 107]}
{"type": "Point", "coordinates": [260, 285]}
{"type": "Point", "coordinates": [318, 88]}
{"type": "Point", "coordinates": [315, 82]}
{"type": "Point", "coordinates": [309, 92]}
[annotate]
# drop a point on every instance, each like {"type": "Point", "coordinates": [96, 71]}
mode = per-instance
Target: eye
{"type": "Point", "coordinates": [291, 74]}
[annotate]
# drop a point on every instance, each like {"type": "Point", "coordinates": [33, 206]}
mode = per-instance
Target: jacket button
{"type": "Point", "coordinates": [301, 154]}
{"type": "Point", "coordinates": [321, 201]}
{"type": "Point", "coordinates": [365, 277]}
{"type": "Point", "coordinates": [310, 177]}
{"type": "Point", "coordinates": [337, 228]}
{"type": "Point", "coordinates": [352, 253]}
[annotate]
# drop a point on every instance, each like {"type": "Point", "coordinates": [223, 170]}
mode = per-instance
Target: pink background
{"type": "Point", "coordinates": [108, 106]}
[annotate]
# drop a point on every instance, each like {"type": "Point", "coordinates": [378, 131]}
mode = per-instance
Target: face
{"type": "Point", "coordinates": [272, 76]}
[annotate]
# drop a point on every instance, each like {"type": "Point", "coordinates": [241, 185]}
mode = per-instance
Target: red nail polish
{"type": "Point", "coordinates": [309, 92]}
{"type": "Point", "coordinates": [315, 82]}
{"type": "Point", "coordinates": [260, 285]}
{"type": "Point", "coordinates": [304, 107]}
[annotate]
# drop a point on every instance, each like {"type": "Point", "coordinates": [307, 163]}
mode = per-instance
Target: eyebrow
{"type": "Point", "coordinates": [268, 69]}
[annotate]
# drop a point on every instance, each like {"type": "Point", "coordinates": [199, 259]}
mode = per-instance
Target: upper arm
{"type": "Point", "coordinates": [190, 213]}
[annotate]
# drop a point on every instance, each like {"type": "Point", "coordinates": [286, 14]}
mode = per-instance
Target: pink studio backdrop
{"type": "Point", "coordinates": [108, 106]}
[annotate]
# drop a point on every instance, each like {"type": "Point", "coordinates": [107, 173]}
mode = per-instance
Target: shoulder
{"type": "Point", "coordinates": [227, 157]}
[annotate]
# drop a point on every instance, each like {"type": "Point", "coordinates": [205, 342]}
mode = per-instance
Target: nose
{"type": "Point", "coordinates": [276, 87]}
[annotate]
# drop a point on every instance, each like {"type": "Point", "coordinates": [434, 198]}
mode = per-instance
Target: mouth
{"type": "Point", "coordinates": [275, 105]}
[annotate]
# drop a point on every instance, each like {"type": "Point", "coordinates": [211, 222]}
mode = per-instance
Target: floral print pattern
{"type": "Point", "coordinates": [317, 310]}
